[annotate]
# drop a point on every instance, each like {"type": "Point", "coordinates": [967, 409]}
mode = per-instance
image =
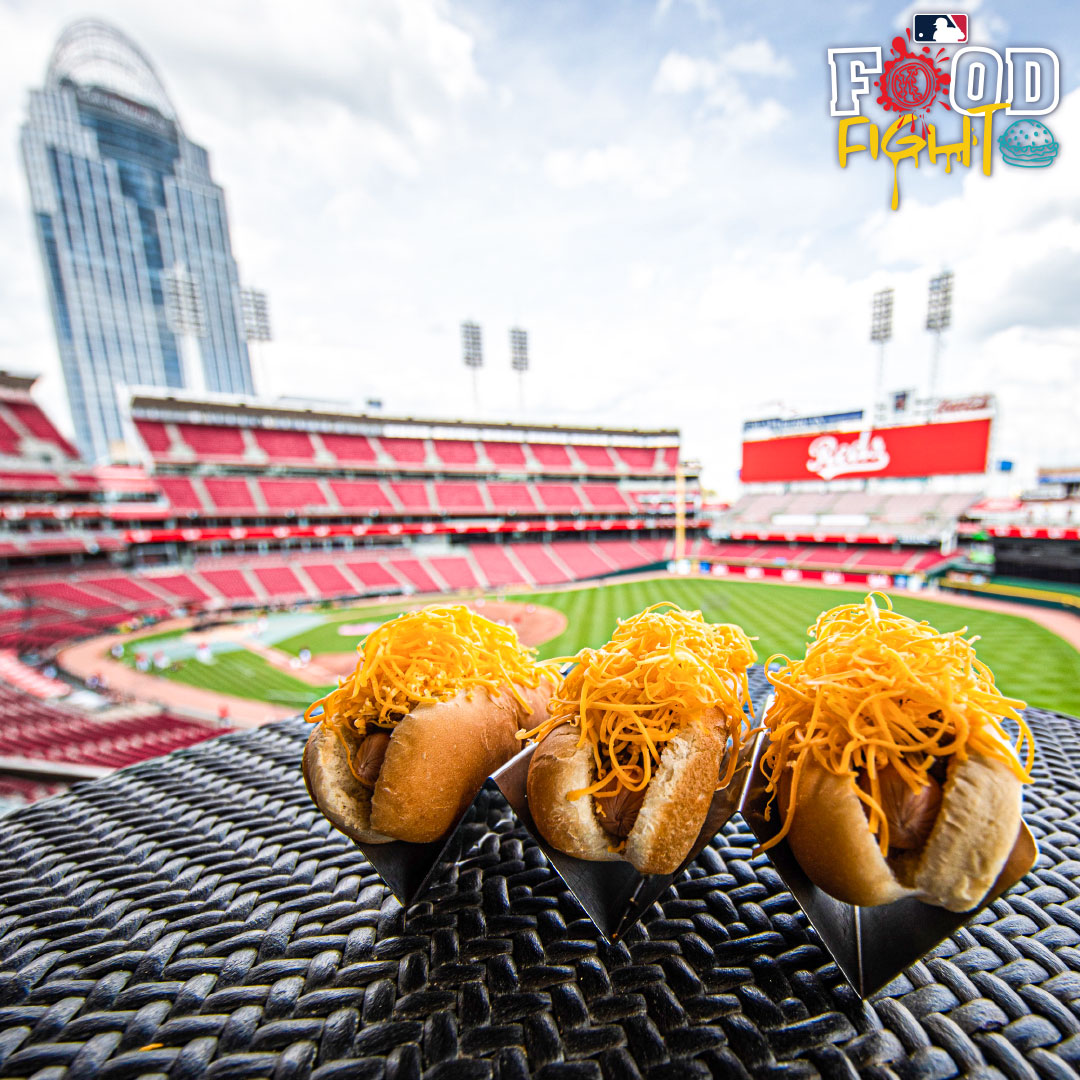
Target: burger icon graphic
{"type": "Point", "coordinates": [1028, 143]}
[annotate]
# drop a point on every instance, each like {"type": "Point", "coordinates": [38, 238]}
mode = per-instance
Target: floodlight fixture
{"type": "Point", "coordinates": [938, 319]}
{"type": "Point", "coordinates": [472, 345]}
{"type": "Point", "coordinates": [519, 350]}
{"type": "Point", "coordinates": [939, 308]}
{"type": "Point", "coordinates": [881, 316]}
{"type": "Point", "coordinates": [472, 352]}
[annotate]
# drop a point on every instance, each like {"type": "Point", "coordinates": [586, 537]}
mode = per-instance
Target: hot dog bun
{"type": "Point", "coordinates": [677, 799]}
{"type": "Point", "coordinates": [437, 760]}
{"type": "Point", "coordinates": [968, 846]}
{"type": "Point", "coordinates": [655, 710]}
{"type": "Point", "coordinates": [432, 708]}
{"type": "Point", "coordinates": [890, 764]}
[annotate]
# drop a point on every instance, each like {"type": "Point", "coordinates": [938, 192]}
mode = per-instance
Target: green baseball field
{"type": "Point", "coordinates": [1030, 661]}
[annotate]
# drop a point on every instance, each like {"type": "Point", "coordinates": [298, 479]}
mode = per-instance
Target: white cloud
{"type": "Point", "coordinates": [719, 86]}
{"type": "Point", "coordinates": [756, 58]}
{"type": "Point", "coordinates": [654, 173]}
{"type": "Point", "coordinates": [680, 73]}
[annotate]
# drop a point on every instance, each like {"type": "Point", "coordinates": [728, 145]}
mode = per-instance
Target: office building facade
{"type": "Point", "coordinates": [134, 237]}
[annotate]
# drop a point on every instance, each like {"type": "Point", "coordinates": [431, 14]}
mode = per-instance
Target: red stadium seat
{"type": "Point", "coordinates": [229, 493]}
{"type": "Point", "coordinates": [460, 497]}
{"type": "Point", "coordinates": [279, 581]}
{"type": "Point", "coordinates": [155, 435]}
{"type": "Point", "coordinates": [285, 445]}
{"type": "Point", "coordinates": [40, 426]}
{"type": "Point", "coordinates": [505, 454]}
{"type": "Point", "coordinates": [180, 492]}
{"type": "Point", "coordinates": [538, 564]}
{"type": "Point", "coordinates": [373, 575]}
{"type": "Point", "coordinates": [455, 571]}
{"type": "Point", "coordinates": [9, 438]}
{"type": "Point", "coordinates": [128, 588]}
{"type": "Point", "coordinates": [367, 496]}
{"type": "Point", "coordinates": [405, 451]}
{"type": "Point", "coordinates": [637, 457]}
{"type": "Point", "coordinates": [655, 550]}
{"type": "Point", "coordinates": [495, 565]}
{"type": "Point", "coordinates": [925, 562]}
{"type": "Point", "coordinates": [329, 580]}
{"type": "Point", "coordinates": [415, 571]}
{"type": "Point", "coordinates": [213, 441]}
{"type": "Point", "coordinates": [455, 451]}
{"type": "Point", "coordinates": [30, 481]}
{"type": "Point", "coordinates": [623, 554]}
{"type": "Point", "coordinates": [55, 733]}
{"type": "Point", "coordinates": [295, 495]}
{"type": "Point", "coordinates": [551, 455]}
{"type": "Point", "coordinates": [558, 497]}
{"type": "Point", "coordinates": [606, 497]}
{"type": "Point", "coordinates": [594, 457]}
{"type": "Point", "coordinates": [413, 496]}
{"type": "Point", "coordinates": [350, 449]}
{"type": "Point", "coordinates": [64, 593]}
{"type": "Point", "coordinates": [506, 497]}
{"type": "Point", "coordinates": [579, 559]}
{"type": "Point", "coordinates": [230, 583]}
{"type": "Point", "coordinates": [181, 586]}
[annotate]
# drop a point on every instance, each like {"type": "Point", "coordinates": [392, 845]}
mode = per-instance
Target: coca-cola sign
{"type": "Point", "coordinates": [830, 457]}
{"type": "Point", "coordinates": [951, 448]}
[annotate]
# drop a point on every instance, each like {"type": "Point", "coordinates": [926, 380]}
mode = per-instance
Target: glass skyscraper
{"type": "Point", "coordinates": [134, 236]}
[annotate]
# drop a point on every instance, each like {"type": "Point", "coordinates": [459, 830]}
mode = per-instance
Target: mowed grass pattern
{"type": "Point", "coordinates": [246, 675]}
{"type": "Point", "coordinates": [1028, 660]}
{"type": "Point", "coordinates": [327, 637]}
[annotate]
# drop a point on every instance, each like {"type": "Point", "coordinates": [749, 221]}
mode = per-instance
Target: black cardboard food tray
{"type": "Point", "coordinates": [613, 894]}
{"type": "Point", "coordinates": [871, 946]}
{"type": "Point", "coordinates": [407, 869]}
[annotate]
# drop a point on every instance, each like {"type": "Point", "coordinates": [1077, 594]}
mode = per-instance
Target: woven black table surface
{"type": "Point", "coordinates": [195, 916]}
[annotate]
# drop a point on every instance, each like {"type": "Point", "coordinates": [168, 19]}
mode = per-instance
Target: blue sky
{"type": "Point", "coordinates": [649, 188]}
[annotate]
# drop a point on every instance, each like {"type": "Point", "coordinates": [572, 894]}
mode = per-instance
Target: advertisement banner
{"type": "Point", "coordinates": [918, 450]}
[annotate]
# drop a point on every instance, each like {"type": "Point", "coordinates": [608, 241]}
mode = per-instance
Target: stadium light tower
{"type": "Point", "coordinates": [472, 351]}
{"type": "Point", "coordinates": [255, 310]}
{"type": "Point", "coordinates": [938, 319]}
{"type": "Point", "coordinates": [519, 360]}
{"type": "Point", "coordinates": [880, 332]}
{"type": "Point", "coordinates": [185, 315]}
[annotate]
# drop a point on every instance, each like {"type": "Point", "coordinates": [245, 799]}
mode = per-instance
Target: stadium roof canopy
{"type": "Point", "coordinates": [93, 53]}
{"type": "Point", "coordinates": [248, 413]}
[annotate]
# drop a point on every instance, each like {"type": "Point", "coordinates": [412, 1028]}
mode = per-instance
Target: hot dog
{"type": "Point", "coordinates": [431, 710]}
{"type": "Point", "coordinates": [634, 746]}
{"type": "Point", "coordinates": [888, 762]}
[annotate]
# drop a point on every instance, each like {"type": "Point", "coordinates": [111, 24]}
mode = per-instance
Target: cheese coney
{"type": "Point", "coordinates": [432, 709]}
{"type": "Point", "coordinates": [637, 737]}
{"type": "Point", "coordinates": [888, 762]}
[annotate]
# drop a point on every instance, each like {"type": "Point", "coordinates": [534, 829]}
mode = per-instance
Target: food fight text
{"type": "Point", "coordinates": [977, 83]}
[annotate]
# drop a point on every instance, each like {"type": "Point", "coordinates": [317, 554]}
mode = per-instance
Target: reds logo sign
{"type": "Point", "coordinates": [829, 457]}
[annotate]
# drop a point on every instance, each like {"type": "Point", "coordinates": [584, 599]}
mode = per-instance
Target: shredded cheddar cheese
{"type": "Point", "coordinates": [877, 689]}
{"type": "Point", "coordinates": [661, 670]}
{"type": "Point", "coordinates": [424, 657]}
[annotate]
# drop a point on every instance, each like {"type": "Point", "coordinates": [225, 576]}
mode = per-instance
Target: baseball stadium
{"type": "Point", "coordinates": [697, 698]}
{"type": "Point", "coordinates": [222, 572]}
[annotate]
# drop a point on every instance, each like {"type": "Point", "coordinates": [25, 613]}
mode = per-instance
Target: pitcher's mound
{"type": "Point", "coordinates": [534, 625]}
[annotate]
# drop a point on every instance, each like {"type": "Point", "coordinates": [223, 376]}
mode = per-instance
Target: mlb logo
{"type": "Point", "coordinates": [939, 28]}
